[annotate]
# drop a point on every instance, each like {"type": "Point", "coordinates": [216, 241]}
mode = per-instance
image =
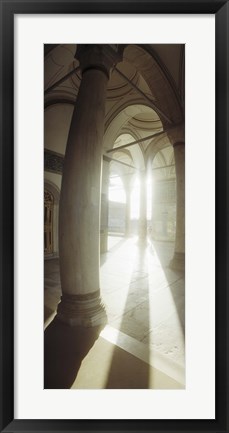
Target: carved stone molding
{"type": "Point", "coordinates": [53, 162]}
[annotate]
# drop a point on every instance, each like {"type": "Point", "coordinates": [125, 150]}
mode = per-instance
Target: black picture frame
{"type": "Point", "coordinates": [220, 8]}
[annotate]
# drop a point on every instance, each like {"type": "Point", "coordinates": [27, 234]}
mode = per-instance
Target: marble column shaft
{"type": "Point", "coordinates": [79, 216]}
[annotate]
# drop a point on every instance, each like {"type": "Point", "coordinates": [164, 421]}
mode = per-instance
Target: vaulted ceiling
{"type": "Point", "coordinates": [145, 96]}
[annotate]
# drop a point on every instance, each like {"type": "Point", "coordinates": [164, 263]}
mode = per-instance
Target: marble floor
{"type": "Point", "coordinates": [145, 304]}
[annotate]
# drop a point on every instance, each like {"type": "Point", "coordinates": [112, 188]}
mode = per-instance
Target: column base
{"type": "Point", "coordinates": [178, 262]}
{"type": "Point", "coordinates": [82, 310]}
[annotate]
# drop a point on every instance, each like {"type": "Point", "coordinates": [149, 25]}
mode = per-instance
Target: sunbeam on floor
{"type": "Point", "coordinates": [143, 344]}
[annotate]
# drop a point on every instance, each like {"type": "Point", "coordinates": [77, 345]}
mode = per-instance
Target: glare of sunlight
{"type": "Point", "coordinates": [116, 190]}
{"type": "Point", "coordinates": [115, 279]}
{"type": "Point", "coordinates": [149, 197]}
{"type": "Point", "coordinates": [161, 356]}
{"type": "Point", "coordinates": [135, 200]}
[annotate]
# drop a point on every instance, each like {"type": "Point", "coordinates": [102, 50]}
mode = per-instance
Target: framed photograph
{"type": "Point", "coordinates": [114, 134]}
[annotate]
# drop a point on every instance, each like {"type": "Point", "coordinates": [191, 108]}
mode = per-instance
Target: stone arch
{"type": "Point", "coordinates": [119, 126]}
{"type": "Point", "coordinates": [50, 186]}
{"type": "Point", "coordinates": [155, 145]}
{"type": "Point", "coordinates": [149, 66]}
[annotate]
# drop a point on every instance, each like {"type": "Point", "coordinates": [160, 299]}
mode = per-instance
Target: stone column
{"type": "Point", "coordinates": [142, 233]}
{"type": "Point", "coordinates": [79, 215]}
{"type": "Point", "coordinates": [178, 261]}
{"type": "Point", "coordinates": [104, 207]}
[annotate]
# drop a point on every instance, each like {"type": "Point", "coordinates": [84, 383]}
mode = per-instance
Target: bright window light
{"type": "Point", "coordinates": [135, 200]}
{"type": "Point", "coordinates": [116, 190]}
{"type": "Point", "coordinates": [149, 197]}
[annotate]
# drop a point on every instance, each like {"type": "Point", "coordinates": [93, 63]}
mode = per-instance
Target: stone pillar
{"type": "Point", "coordinates": [79, 214]}
{"type": "Point", "coordinates": [104, 207]}
{"type": "Point", "coordinates": [142, 233]}
{"type": "Point", "coordinates": [178, 261]}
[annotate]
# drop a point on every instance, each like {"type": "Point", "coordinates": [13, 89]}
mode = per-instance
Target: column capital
{"type": "Point", "coordinates": [98, 56]}
{"type": "Point", "coordinates": [177, 135]}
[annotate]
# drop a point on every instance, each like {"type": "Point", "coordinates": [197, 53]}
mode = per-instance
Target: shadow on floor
{"type": "Point", "coordinates": [127, 371]}
{"type": "Point", "coordinates": [65, 348]}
